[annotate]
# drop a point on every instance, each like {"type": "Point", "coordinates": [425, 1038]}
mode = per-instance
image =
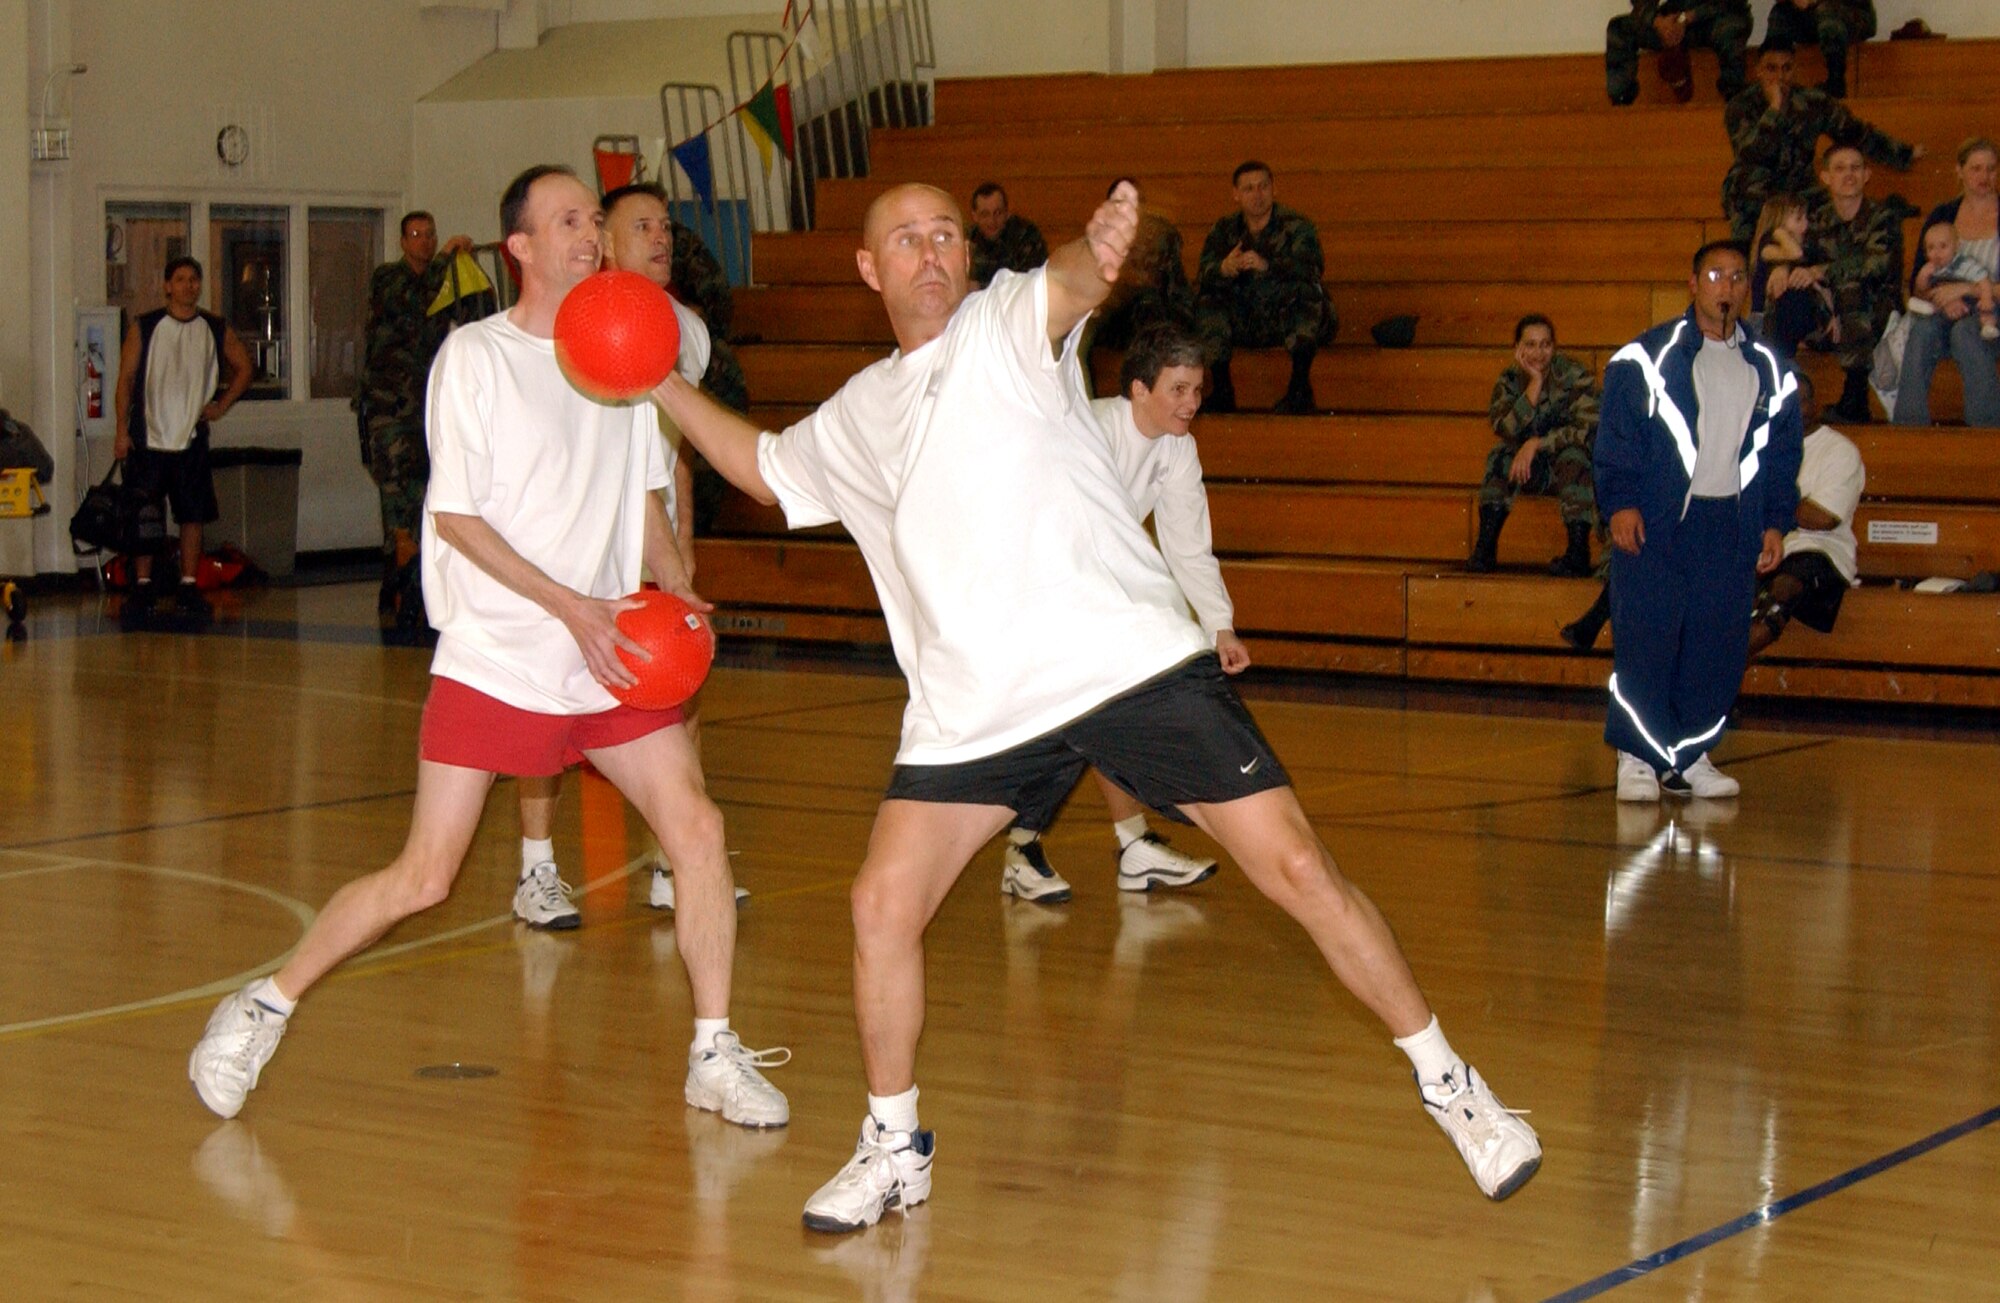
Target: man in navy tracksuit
{"type": "Point", "coordinates": [1697, 464]}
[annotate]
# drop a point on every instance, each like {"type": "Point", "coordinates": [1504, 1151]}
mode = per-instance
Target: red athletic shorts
{"type": "Point", "coordinates": [463, 726]}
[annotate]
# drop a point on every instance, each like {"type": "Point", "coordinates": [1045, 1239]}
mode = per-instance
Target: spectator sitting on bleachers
{"type": "Point", "coordinates": [1153, 284]}
{"type": "Point", "coordinates": [1262, 286]}
{"type": "Point", "coordinates": [1774, 128]}
{"type": "Point", "coordinates": [1787, 297]}
{"type": "Point", "coordinates": [1946, 261]}
{"type": "Point", "coordinates": [1954, 328]}
{"type": "Point", "coordinates": [1544, 412]}
{"type": "Point", "coordinates": [999, 238]}
{"type": "Point", "coordinates": [1672, 27]}
{"type": "Point", "coordinates": [1832, 25]}
{"type": "Point", "coordinates": [1820, 555]}
{"type": "Point", "coordinates": [1858, 243]}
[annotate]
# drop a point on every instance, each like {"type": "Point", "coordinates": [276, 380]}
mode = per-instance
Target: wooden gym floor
{"type": "Point", "coordinates": [1758, 1038]}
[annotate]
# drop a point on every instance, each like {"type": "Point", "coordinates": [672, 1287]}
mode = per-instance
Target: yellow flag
{"type": "Point", "coordinates": [464, 280]}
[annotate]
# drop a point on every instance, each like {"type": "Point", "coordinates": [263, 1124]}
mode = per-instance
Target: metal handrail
{"type": "Point", "coordinates": [877, 68]}
{"type": "Point", "coordinates": [688, 109]}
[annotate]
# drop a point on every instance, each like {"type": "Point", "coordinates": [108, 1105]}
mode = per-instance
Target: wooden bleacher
{"type": "Point", "coordinates": [1437, 192]}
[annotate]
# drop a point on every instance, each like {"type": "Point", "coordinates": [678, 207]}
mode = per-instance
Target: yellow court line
{"type": "Point", "coordinates": [368, 964]}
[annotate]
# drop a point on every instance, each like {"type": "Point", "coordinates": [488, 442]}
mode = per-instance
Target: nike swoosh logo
{"type": "Point", "coordinates": [1244, 769]}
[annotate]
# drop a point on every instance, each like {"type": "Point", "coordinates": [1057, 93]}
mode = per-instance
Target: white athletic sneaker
{"type": "Point", "coordinates": [662, 894]}
{"type": "Point", "coordinates": [1025, 872]}
{"type": "Point", "coordinates": [1149, 864]}
{"type": "Point", "coordinates": [725, 1080]}
{"type": "Point", "coordinates": [1636, 779]}
{"type": "Point", "coordinates": [1705, 780]}
{"type": "Point", "coordinates": [542, 900]}
{"type": "Point", "coordinates": [1501, 1150]}
{"type": "Point", "coordinates": [890, 1169]}
{"type": "Point", "coordinates": [240, 1039]}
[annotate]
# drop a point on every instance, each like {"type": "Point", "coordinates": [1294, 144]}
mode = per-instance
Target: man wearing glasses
{"type": "Point", "coordinates": [1697, 465]}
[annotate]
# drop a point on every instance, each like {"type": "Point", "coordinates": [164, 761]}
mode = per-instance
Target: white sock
{"type": "Point", "coordinates": [1021, 837]}
{"type": "Point", "coordinates": [895, 1112]}
{"type": "Point", "coordinates": [704, 1033]}
{"type": "Point", "coordinates": [1130, 830]}
{"type": "Point", "coordinates": [264, 991]}
{"type": "Point", "coordinates": [187, 579]}
{"type": "Point", "coordinates": [1430, 1054]}
{"type": "Point", "coordinates": [536, 852]}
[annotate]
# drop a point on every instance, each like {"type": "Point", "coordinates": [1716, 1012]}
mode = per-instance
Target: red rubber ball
{"type": "Point", "coordinates": [616, 336]}
{"type": "Point", "coordinates": [680, 642]}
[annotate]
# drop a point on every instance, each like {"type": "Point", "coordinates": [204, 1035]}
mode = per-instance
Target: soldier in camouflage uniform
{"type": "Point", "coordinates": [999, 239]}
{"type": "Point", "coordinates": [403, 337]}
{"type": "Point", "coordinates": [1676, 25]}
{"type": "Point", "coordinates": [1775, 128]}
{"type": "Point", "coordinates": [1544, 413]}
{"type": "Point", "coordinates": [1832, 25]}
{"type": "Point", "coordinates": [1856, 246]}
{"type": "Point", "coordinates": [1262, 285]}
{"type": "Point", "coordinates": [700, 283]}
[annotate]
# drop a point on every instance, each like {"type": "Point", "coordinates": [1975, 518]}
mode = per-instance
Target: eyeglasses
{"type": "Point", "coordinates": [1721, 276]}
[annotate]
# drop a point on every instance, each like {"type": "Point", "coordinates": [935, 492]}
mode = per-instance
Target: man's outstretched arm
{"type": "Point", "coordinates": [726, 439]}
{"type": "Point", "coordinates": [1082, 272]}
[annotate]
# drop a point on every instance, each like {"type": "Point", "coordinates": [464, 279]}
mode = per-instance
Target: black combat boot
{"type": "Point", "coordinates": [1491, 517]}
{"type": "Point", "coordinates": [1582, 635]}
{"type": "Point", "coordinates": [1298, 399]}
{"type": "Point", "coordinates": [1221, 389]}
{"type": "Point", "coordinates": [1574, 563]}
{"type": "Point", "coordinates": [1852, 408]}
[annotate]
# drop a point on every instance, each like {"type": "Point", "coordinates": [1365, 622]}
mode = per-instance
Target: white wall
{"type": "Point", "coordinates": [325, 91]}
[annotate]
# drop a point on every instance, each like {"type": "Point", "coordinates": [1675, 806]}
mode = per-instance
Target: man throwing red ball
{"type": "Point", "coordinates": [971, 473]}
{"type": "Point", "coordinates": [543, 505]}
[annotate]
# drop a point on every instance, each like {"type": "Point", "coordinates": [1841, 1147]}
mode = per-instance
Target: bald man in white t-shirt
{"type": "Point", "coordinates": [970, 472]}
{"type": "Point", "coordinates": [543, 506]}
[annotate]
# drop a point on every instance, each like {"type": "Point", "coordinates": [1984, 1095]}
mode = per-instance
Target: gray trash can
{"type": "Point", "coordinates": [257, 491]}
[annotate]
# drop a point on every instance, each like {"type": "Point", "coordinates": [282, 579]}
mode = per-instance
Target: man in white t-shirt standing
{"type": "Point", "coordinates": [637, 237]}
{"type": "Point", "coordinates": [968, 468]}
{"type": "Point", "coordinates": [1147, 431]}
{"type": "Point", "coordinates": [1820, 562]}
{"type": "Point", "coordinates": [543, 505]}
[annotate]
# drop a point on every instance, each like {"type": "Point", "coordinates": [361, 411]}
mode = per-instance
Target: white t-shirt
{"type": "Point", "coordinates": [1830, 473]}
{"type": "Point", "coordinates": [1019, 588]}
{"type": "Point", "coordinates": [181, 374]}
{"type": "Point", "coordinates": [695, 346]}
{"type": "Point", "coordinates": [1163, 476]}
{"type": "Point", "coordinates": [692, 364]}
{"type": "Point", "coordinates": [1726, 387]}
{"type": "Point", "coordinates": [562, 479]}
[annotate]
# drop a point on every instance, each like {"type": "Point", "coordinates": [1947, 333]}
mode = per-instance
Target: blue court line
{"type": "Point", "coordinates": [1770, 1212]}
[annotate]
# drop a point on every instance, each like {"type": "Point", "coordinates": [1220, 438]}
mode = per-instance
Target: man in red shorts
{"type": "Point", "coordinates": [542, 506]}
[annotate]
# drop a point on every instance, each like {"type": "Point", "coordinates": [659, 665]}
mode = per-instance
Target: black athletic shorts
{"type": "Point", "coordinates": [182, 478]}
{"type": "Point", "coordinates": [1182, 737]}
{"type": "Point", "coordinates": [1824, 587]}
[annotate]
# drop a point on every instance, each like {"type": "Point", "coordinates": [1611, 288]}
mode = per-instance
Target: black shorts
{"type": "Point", "coordinates": [182, 478]}
{"type": "Point", "coordinates": [1180, 738]}
{"type": "Point", "coordinates": [1824, 585]}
